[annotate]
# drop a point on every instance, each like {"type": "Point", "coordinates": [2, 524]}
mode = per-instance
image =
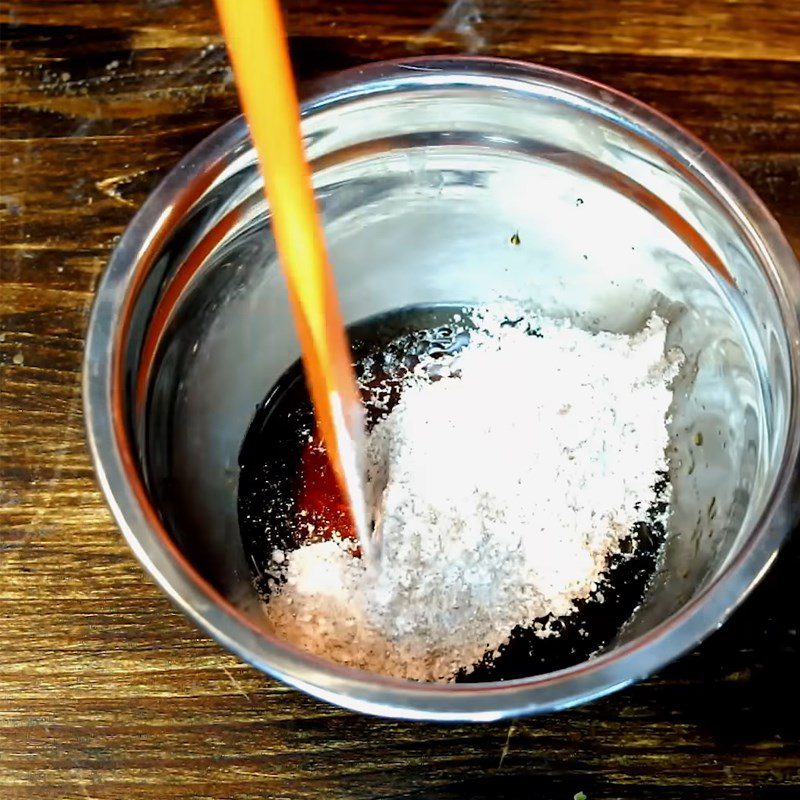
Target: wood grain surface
{"type": "Point", "coordinates": [107, 692]}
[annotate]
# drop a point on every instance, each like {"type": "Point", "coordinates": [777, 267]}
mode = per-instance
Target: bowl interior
{"type": "Point", "coordinates": [422, 188]}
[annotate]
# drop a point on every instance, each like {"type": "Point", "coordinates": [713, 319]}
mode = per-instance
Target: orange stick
{"type": "Point", "coordinates": [257, 47]}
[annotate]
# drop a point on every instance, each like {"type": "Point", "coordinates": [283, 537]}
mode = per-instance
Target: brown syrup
{"type": "Point", "coordinates": [288, 494]}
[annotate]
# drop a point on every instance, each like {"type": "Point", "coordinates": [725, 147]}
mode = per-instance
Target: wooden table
{"type": "Point", "coordinates": [105, 691]}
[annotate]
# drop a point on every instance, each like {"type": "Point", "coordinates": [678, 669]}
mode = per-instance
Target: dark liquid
{"type": "Point", "coordinates": [288, 494]}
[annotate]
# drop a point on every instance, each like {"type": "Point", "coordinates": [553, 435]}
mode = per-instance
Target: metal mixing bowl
{"type": "Point", "coordinates": [424, 170]}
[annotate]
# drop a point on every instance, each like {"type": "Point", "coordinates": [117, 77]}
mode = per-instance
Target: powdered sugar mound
{"type": "Point", "coordinates": [502, 481]}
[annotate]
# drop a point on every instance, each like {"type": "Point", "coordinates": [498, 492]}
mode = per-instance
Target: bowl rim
{"type": "Point", "coordinates": [118, 476]}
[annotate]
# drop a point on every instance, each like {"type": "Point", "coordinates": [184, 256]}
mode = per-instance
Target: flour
{"type": "Point", "coordinates": [502, 481]}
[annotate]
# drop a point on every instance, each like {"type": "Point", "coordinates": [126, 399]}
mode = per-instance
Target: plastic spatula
{"type": "Point", "coordinates": [257, 47]}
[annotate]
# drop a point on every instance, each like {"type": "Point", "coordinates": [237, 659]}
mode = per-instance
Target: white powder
{"type": "Point", "coordinates": [500, 488]}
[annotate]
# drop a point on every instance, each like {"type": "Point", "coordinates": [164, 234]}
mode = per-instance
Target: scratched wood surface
{"type": "Point", "coordinates": [105, 691]}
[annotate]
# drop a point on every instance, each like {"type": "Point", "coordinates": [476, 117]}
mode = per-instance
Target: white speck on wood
{"type": "Point", "coordinates": [506, 746]}
{"type": "Point", "coordinates": [462, 18]}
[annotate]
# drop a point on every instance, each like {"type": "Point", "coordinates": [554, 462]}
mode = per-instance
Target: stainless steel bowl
{"type": "Point", "coordinates": [424, 169]}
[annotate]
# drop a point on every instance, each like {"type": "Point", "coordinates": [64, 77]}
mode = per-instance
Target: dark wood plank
{"type": "Point", "coordinates": [105, 691]}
